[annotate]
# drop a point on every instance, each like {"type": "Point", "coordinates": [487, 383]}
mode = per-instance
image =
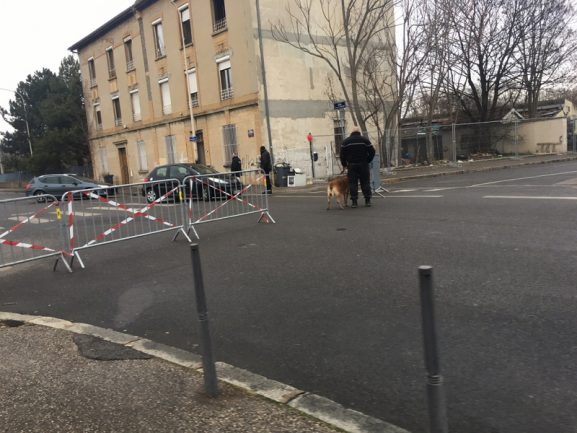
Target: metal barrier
{"type": "Point", "coordinates": [31, 229]}
{"type": "Point", "coordinates": [215, 197]}
{"type": "Point", "coordinates": [103, 216]}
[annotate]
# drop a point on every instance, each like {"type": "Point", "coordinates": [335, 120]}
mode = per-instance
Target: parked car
{"type": "Point", "coordinates": [59, 184]}
{"type": "Point", "coordinates": [212, 184]}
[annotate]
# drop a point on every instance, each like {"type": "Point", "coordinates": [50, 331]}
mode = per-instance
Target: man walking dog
{"type": "Point", "coordinates": [356, 154]}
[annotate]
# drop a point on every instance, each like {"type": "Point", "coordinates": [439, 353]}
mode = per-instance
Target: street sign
{"type": "Point", "coordinates": [193, 138]}
{"type": "Point", "coordinates": [341, 105]}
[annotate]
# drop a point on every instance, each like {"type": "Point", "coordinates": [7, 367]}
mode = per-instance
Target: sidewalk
{"type": "Point", "coordinates": [58, 376]}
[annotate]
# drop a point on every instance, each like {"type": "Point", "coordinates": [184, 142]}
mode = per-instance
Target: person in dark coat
{"type": "Point", "coordinates": [235, 164]}
{"type": "Point", "coordinates": [266, 166]}
{"type": "Point", "coordinates": [356, 154]}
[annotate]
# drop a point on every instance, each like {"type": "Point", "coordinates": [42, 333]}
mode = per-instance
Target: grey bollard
{"type": "Point", "coordinates": [435, 391]}
{"type": "Point", "coordinates": [209, 369]}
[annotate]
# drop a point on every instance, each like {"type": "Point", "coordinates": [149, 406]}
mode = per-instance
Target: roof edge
{"type": "Point", "coordinates": [109, 25]}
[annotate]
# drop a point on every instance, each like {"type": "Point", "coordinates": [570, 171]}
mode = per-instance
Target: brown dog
{"type": "Point", "coordinates": [339, 189]}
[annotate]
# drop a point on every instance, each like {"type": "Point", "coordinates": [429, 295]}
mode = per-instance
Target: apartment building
{"type": "Point", "coordinates": [143, 69]}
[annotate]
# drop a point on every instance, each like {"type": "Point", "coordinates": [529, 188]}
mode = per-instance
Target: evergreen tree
{"type": "Point", "coordinates": [53, 106]}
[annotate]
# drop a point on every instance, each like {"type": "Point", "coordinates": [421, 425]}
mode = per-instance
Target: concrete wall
{"type": "Point", "coordinates": [552, 131]}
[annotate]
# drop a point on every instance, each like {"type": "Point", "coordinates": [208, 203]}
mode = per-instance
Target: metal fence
{"type": "Point", "coordinates": [31, 229]}
{"type": "Point", "coordinates": [464, 141]}
{"type": "Point", "coordinates": [215, 197]}
{"type": "Point", "coordinates": [43, 226]}
{"type": "Point", "coordinates": [101, 216]}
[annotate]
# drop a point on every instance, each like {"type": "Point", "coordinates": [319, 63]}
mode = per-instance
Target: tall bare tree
{"type": "Point", "coordinates": [484, 41]}
{"type": "Point", "coordinates": [392, 73]}
{"type": "Point", "coordinates": [340, 34]}
{"type": "Point", "coordinates": [547, 47]}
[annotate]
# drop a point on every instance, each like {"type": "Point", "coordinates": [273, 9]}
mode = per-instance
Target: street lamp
{"type": "Point", "coordinates": [187, 79]}
{"type": "Point", "coordinates": [25, 116]}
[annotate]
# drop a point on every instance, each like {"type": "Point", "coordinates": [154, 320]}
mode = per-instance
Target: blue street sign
{"type": "Point", "coordinates": [341, 105]}
{"type": "Point", "coordinates": [192, 138]}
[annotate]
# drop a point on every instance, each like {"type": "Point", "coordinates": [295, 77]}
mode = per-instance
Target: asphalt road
{"type": "Point", "coordinates": [328, 301]}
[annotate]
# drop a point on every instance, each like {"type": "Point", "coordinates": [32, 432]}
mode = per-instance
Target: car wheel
{"type": "Point", "coordinates": [151, 195]}
{"type": "Point", "coordinates": [39, 199]}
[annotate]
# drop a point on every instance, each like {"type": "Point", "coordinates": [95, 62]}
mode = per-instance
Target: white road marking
{"type": "Point", "coordinates": [526, 197]}
{"type": "Point", "coordinates": [523, 178]}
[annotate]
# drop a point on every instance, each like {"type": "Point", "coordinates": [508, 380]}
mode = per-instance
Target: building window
{"type": "Point", "coordinates": [185, 26]}
{"type": "Point", "coordinates": [110, 60]}
{"type": "Point", "coordinates": [229, 141]}
{"type": "Point", "coordinates": [128, 54]}
{"type": "Point", "coordinates": [135, 102]}
{"type": "Point", "coordinates": [117, 112]}
{"type": "Point", "coordinates": [91, 72]}
{"type": "Point", "coordinates": [226, 91]}
{"type": "Point", "coordinates": [170, 149]}
{"type": "Point", "coordinates": [159, 46]}
{"type": "Point", "coordinates": [142, 161]}
{"type": "Point", "coordinates": [97, 117]}
{"type": "Point", "coordinates": [218, 16]}
{"type": "Point", "coordinates": [193, 87]}
{"type": "Point", "coordinates": [165, 96]}
{"type": "Point", "coordinates": [339, 130]}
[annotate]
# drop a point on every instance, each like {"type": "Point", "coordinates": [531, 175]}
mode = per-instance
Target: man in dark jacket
{"type": "Point", "coordinates": [235, 163]}
{"type": "Point", "coordinates": [266, 165]}
{"type": "Point", "coordinates": [356, 154]}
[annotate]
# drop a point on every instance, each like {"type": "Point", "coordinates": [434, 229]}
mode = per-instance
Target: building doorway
{"type": "Point", "coordinates": [200, 157]}
{"type": "Point", "coordinates": [124, 174]}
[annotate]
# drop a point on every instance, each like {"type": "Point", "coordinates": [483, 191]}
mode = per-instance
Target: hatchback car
{"type": "Point", "coordinates": [59, 184]}
{"type": "Point", "coordinates": [211, 184]}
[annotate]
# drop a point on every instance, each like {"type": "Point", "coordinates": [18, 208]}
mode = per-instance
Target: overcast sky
{"type": "Point", "coordinates": [36, 34]}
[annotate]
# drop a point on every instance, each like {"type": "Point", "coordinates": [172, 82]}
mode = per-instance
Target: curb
{"type": "Point", "coordinates": [312, 405]}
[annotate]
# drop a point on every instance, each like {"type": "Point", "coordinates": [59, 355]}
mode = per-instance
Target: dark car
{"type": "Point", "coordinates": [59, 184]}
{"type": "Point", "coordinates": [210, 185]}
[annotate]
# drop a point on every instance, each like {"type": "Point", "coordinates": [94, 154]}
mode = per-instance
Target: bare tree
{"type": "Point", "coordinates": [484, 40]}
{"type": "Point", "coordinates": [340, 36]}
{"type": "Point", "coordinates": [547, 47]}
{"type": "Point", "coordinates": [436, 55]}
{"type": "Point", "coordinates": [391, 76]}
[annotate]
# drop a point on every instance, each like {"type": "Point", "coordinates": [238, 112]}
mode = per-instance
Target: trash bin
{"type": "Point", "coordinates": [281, 173]}
{"type": "Point", "coordinates": [297, 178]}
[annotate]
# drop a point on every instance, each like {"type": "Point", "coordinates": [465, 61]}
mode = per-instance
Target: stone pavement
{"type": "Point", "coordinates": [58, 376]}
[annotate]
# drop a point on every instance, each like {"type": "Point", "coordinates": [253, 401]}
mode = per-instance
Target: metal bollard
{"type": "Point", "coordinates": [210, 380]}
{"type": "Point", "coordinates": [435, 390]}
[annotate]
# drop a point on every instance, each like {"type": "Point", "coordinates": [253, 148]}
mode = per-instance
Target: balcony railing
{"type": "Point", "coordinates": [166, 109]}
{"type": "Point", "coordinates": [130, 65]}
{"type": "Point", "coordinates": [93, 82]}
{"type": "Point", "coordinates": [226, 93]}
{"type": "Point", "coordinates": [118, 121]}
{"type": "Point", "coordinates": [137, 117]}
{"type": "Point", "coordinates": [112, 73]}
{"type": "Point", "coordinates": [194, 101]}
{"type": "Point", "coordinates": [219, 25]}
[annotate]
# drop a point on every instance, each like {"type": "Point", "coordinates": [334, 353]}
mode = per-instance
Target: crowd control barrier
{"type": "Point", "coordinates": [31, 229]}
{"type": "Point", "coordinates": [219, 196]}
{"type": "Point", "coordinates": [97, 217]}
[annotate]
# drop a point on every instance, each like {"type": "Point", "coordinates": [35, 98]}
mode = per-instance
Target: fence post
{"type": "Point", "coordinates": [454, 141]}
{"type": "Point", "coordinates": [435, 391]}
{"type": "Point", "coordinates": [210, 380]}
